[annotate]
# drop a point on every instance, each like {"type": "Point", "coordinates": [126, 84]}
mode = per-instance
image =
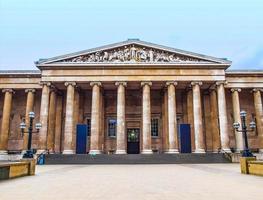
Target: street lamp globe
{"type": "Point", "coordinates": [22, 125]}
{"type": "Point", "coordinates": [252, 125]}
{"type": "Point", "coordinates": [236, 125]}
{"type": "Point", "coordinates": [243, 113]}
{"type": "Point", "coordinates": [38, 126]}
{"type": "Point", "coordinates": [31, 115]}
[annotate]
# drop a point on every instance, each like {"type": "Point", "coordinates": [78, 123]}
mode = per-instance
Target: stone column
{"type": "Point", "coordinates": [6, 120]}
{"type": "Point", "coordinates": [58, 127]}
{"type": "Point", "coordinates": [172, 123]}
{"type": "Point", "coordinates": [29, 108]}
{"type": "Point", "coordinates": [222, 114]}
{"type": "Point", "coordinates": [51, 120]}
{"type": "Point", "coordinates": [121, 131]}
{"type": "Point", "coordinates": [146, 118]}
{"type": "Point", "coordinates": [198, 125]}
{"type": "Point", "coordinates": [190, 116]}
{"type": "Point", "coordinates": [76, 114]}
{"type": "Point", "coordinates": [259, 116]}
{"type": "Point", "coordinates": [44, 107]}
{"type": "Point", "coordinates": [95, 119]}
{"type": "Point", "coordinates": [68, 130]}
{"type": "Point", "coordinates": [237, 118]}
{"type": "Point", "coordinates": [214, 122]}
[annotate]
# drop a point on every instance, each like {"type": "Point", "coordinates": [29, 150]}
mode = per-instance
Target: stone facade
{"type": "Point", "coordinates": [127, 86]}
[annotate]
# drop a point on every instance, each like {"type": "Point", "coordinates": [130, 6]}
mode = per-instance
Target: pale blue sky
{"type": "Point", "coordinates": [33, 29]}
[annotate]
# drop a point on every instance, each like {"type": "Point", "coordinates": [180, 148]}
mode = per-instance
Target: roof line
{"type": "Point", "coordinates": [133, 41]}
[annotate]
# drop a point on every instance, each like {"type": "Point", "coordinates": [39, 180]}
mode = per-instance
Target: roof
{"type": "Point", "coordinates": [20, 72]}
{"type": "Point", "coordinates": [207, 59]}
{"type": "Point", "coordinates": [246, 73]}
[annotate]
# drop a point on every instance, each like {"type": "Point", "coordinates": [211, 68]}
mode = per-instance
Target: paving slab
{"type": "Point", "coordinates": [173, 181]}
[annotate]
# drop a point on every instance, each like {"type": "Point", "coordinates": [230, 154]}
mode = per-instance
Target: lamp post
{"type": "Point", "coordinates": [246, 152]}
{"type": "Point", "coordinates": [29, 152]}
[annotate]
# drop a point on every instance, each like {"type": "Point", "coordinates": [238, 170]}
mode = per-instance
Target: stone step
{"type": "Point", "coordinates": [136, 159]}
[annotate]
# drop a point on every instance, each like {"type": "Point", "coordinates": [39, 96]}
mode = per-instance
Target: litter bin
{"type": "Point", "coordinates": [41, 159]}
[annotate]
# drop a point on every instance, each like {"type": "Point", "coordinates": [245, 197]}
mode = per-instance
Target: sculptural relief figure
{"type": "Point", "coordinates": [126, 54]}
{"type": "Point", "coordinates": [133, 54]}
{"type": "Point", "coordinates": [105, 56]}
{"type": "Point", "coordinates": [150, 55]}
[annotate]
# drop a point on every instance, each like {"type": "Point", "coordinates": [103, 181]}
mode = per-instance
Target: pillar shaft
{"type": "Point", "coordinates": [214, 122]}
{"type": "Point", "coordinates": [222, 113]}
{"type": "Point", "coordinates": [95, 119]}
{"type": "Point", "coordinates": [44, 108]}
{"type": "Point", "coordinates": [29, 108]}
{"type": "Point", "coordinates": [172, 123]}
{"type": "Point", "coordinates": [68, 131]}
{"type": "Point", "coordinates": [58, 127]}
{"type": "Point", "coordinates": [236, 115]}
{"type": "Point", "coordinates": [76, 115]}
{"type": "Point", "coordinates": [198, 125]}
{"type": "Point", "coordinates": [51, 121]}
{"type": "Point", "coordinates": [6, 120]}
{"type": "Point", "coordinates": [146, 118]}
{"type": "Point", "coordinates": [121, 132]}
{"type": "Point", "coordinates": [190, 117]}
{"type": "Point", "coordinates": [259, 116]}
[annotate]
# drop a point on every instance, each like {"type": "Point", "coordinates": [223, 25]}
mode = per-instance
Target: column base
{"type": "Point", "coordinates": [147, 151]}
{"type": "Point", "coordinates": [68, 152]}
{"type": "Point", "coordinates": [3, 152]}
{"type": "Point", "coordinates": [121, 152]}
{"type": "Point", "coordinates": [94, 152]}
{"type": "Point", "coordinates": [238, 150]}
{"type": "Point", "coordinates": [172, 151]}
{"type": "Point", "coordinates": [40, 151]}
{"type": "Point", "coordinates": [199, 151]}
{"type": "Point", "coordinates": [216, 151]}
{"type": "Point", "coordinates": [227, 150]}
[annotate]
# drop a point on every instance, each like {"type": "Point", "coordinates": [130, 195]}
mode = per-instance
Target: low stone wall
{"type": "Point", "coordinates": [25, 167]}
{"type": "Point", "coordinates": [249, 165]}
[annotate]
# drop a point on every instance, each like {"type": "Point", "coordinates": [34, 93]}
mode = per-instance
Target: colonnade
{"type": "Point", "coordinates": [50, 117]}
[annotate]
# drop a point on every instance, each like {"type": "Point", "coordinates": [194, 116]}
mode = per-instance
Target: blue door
{"type": "Point", "coordinates": [185, 138]}
{"type": "Point", "coordinates": [81, 138]}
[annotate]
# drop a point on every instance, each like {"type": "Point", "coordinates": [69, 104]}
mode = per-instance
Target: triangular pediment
{"type": "Point", "coordinates": [133, 51]}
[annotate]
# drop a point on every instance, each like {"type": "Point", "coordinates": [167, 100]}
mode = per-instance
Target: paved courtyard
{"type": "Point", "coordinates": [199, 181]}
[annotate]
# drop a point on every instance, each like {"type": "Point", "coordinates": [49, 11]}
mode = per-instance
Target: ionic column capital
{"type": "Point", "coordinates": [221, 82]}
{"type": "Point", "coordinates": [146, 83]}
{"type": "Point", "coordinates": [45, 83]}
{"type": "Point", "coordinates": [30, 90]}
{"type": "Point", "coordinates": [235, 89]}
{"type": "Point", "coordinates": [70, 83]}
{"type": "Point", "coordinates": [171, 82]}
{"type": "Point", "coordinates": [196, 83]}
{"type": "Point", "coordinates": [95, 83]}
{"type": "Point", "coordinates": [121, 83]}
{"type": "Point", "coordinates": [8, 90]}
{"type": "Point", "coordinates": [257, 89]}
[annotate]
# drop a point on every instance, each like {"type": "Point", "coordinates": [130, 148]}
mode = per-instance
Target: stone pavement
{"type": "Point", "coordinates": [177, 182]}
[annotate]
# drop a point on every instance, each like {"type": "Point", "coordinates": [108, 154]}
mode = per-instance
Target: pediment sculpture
{"type": "Point", "coordinates": [132, 53]}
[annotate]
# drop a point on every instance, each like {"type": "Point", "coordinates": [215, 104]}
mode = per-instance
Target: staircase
{"type": "Point", "coordinates": [136, 159]}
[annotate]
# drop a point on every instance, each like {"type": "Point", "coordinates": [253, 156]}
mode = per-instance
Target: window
{"type": "Point", "coordinates": [112, 127]}
{"type": "Point", "coordinates": [154, 127]}
{"type": "Point", "coordinates": [88, 127]}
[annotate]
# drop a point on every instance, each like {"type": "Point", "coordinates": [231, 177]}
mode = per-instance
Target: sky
{"type": "Point", "coordinates": [34, 29]}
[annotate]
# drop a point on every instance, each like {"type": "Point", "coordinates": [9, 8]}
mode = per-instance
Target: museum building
{"type": "Point", "coordinates": [131, 97]}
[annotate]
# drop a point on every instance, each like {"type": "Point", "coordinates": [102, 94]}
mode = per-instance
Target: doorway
{"type": "Point", "coordinates": [133, 140]}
